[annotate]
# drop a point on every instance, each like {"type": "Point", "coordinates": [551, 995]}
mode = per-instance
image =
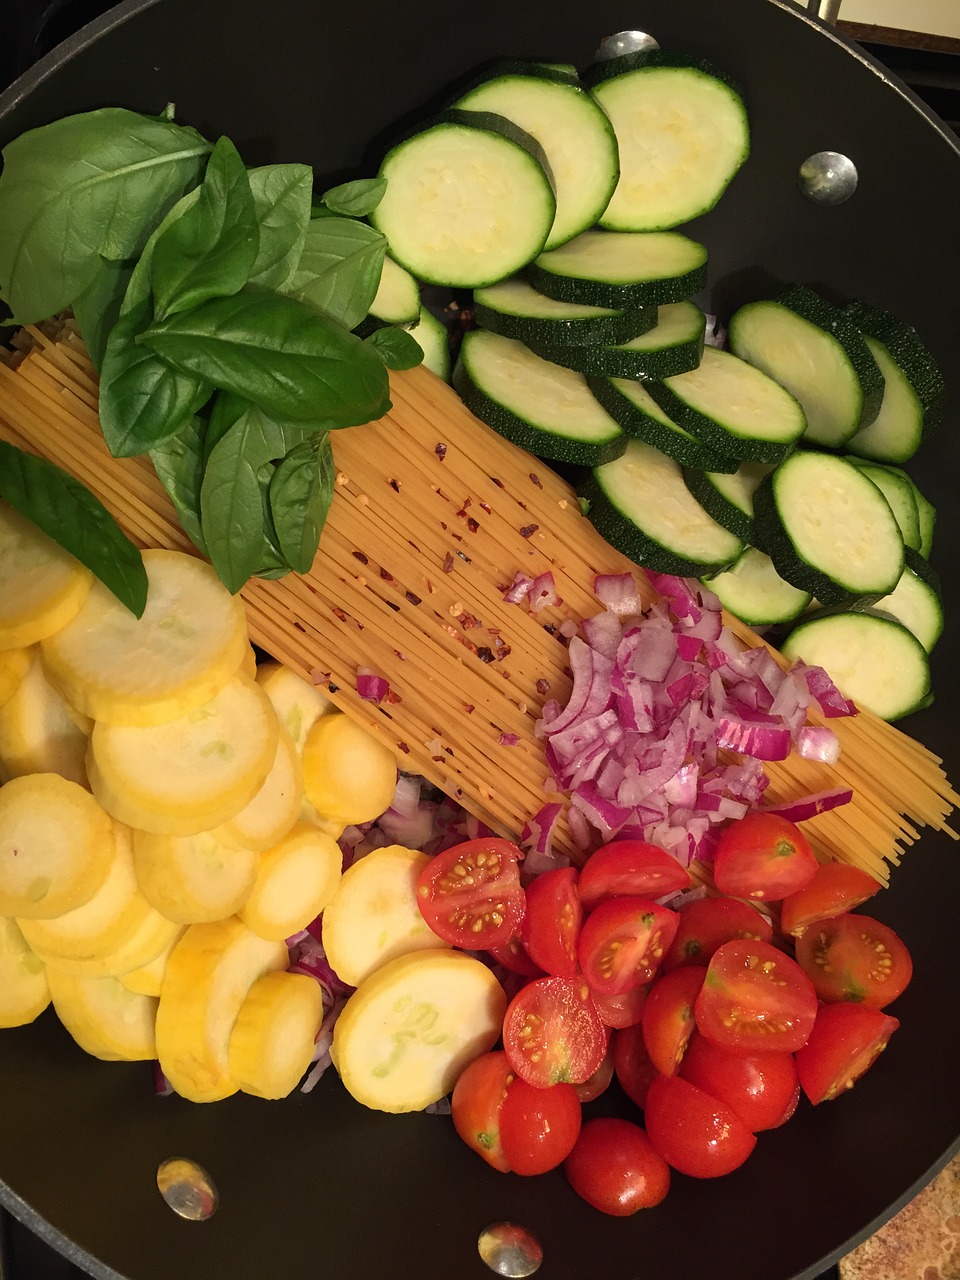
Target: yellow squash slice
{"type": "Point", "coordinates": [373, 917]}
{"type": "Point", "coordinates": [148, 979]}
{"type": "Point", "coordinates": [349, 777]}
{"type": "Point", "coordinates": [56, 846]}
{"type": "Point", "coordinates": [38, 734]}
{"type": "Point", "coordinates": [190, 774]}
{"type": "Point", "coordinates": [249, 664]}
{"type": "Point", "coordinates": [189, 643]}
{"type": "Point", "coordinates": [14, 665]}
{"type": "Point", "coordinates": [296, 880]}
{"type": "Point", "coordinates": [42, 586]}
{"type": "Point", "coordinates": [276, 806]}
{"type": "Point", "coordinates": [154, 936]}
{"type": "Point", "coordinates": [24, 990]}
{"type": "Point", "coordinates": [407, 1033]}
{"type": "Point", "coordinates": [209, 975]}
{"type": "Point", "coordinates": [273, 1040]}
{"type": "Point", "coordinates": [298, 704]}
{"type": "Point", "coordinates": [104, 1018]}
{"type": "Point", "coordinates": [193, 879]}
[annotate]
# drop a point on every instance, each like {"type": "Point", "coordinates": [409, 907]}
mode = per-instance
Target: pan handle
{"type": "Point", "coordinates": [826, 10]}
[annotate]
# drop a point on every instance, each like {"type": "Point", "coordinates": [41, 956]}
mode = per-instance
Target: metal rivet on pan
{"type": "Point", "coordinates": [625, 42]}
{"type": "Point", "coordinates": [509, 1250]}
{"type": "Point", "coordinates": [188, 1189]}
{"type": "Point", "coordinates": [828, 177]}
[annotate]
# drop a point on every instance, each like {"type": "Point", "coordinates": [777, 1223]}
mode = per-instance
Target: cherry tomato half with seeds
{"type": "Point", "coordinates": [538, 1127]}
{"type": "Point", "coordinates": [845, 1041]}
{"type": "Point", "coordinates": [513, 956]}
{"type": "Point", "coordinates": [763, 857]}
{"type": "Point", "coordinates": [552, 1033]}
{"type": "Point", "coordinates": [836, 889]}
{"type": "Point", "coordinates": [477, 1098]}
{"type": "Point", "coordinates": [630, 868]}
{"type": "Point", "coordinates": [668, 1019]}
{"type": "Point", "coordinates": [695, 1134]}
{"type": "Point", "coordinates": [551, 923]}
{"type": "Point", "coordinates": [598, 1083]}
{"type": "Point", "coordinates": [621, 1011]}
{"type": "Point", "coordinates": [708, 923]}
{"type": "Point", "coordinates": [855, 958]}
{"type": "Point", "coordinates": [763, 1088]}
{"type": "Point", "coordinates": [615, 1168]}
{"type": "Point", "coordinates": [631, 1063]}
{"type": "Point", "coordinates": [470, 895]}
{"type": "Point", "coordinates": [755, 999]}
{"type": "Point", "coordinates": [623, 942]}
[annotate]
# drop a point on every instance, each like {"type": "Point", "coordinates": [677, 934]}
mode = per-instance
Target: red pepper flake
{"type": "Point", "coordinates": [391, 696]}
{"type": "Point", "coordinates": [469, 708]}
{"type": "Point", "coordinates": [358, 555]}
{"type": "Point", "coordinates": [386, 575]}
{"type": "Point", "coordinates": [488, 509]}
{"type": "Point", "coordinates": [472, 525]}
{"type": "Point", "coordinates": [467, 502]}
{"type": "Point", "coordinates": [504, 652]}
{"type": "Point", "coordinates": [536, 479]}
{"type": "Point", "coordinates": [440, 450]}
{"type": "Point", "coordinates": [457, 538]}
{"type": "Point", "coordinates": [493, 631]}
{"type": "Point", "coordinates": [448, 563]}
{"type": "Point", "coordinates": [398, 654]}
{"type": "Point", "coordinates": [392, 604]}
{"type": "Point", "coordinates": [429, 585]}
{"type": "Point", "coordinates": [394, 485]}
{"type": "Point", "coordinates": [498, 483]}
{"type": "Point", "coordinates": [334, 688]}
{"type": "Point", "coordinates": [444, 526]}
{"type": "Point", "coordinates": [339, 613]}
{"type": "Point", "coordinates": [485, 654]}
{"type": "Point", "coordinates": [543, 687]}
{"type": "Point", "coordinates": [300, 627]}
{"type": "Point", "coordinates": [404, 748]}
{"type": "Point", "coordinates": [451, 631]}
{"type": "Point", "coordinates": [529, 530]}
{"type": "Point", "coordinates": [467, 621]}
{"type": "Point", "coordinates": [438, 759]}
{"type": "Point", "coordinates": [413, 598]}
{"type": "Point", "coordinates": [411, 543]}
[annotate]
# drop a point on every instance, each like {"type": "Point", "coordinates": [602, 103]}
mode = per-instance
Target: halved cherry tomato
{"type": "Point", "coordinates": [630, 868]}
{"type": "Point", "coordinates": [470, 894]}
{"type": "Point", "coordinates": [834, 890]}
{"type": "Point", "coordinates": [693, 1132]}
{"type": "Point", "coordinates": [598, 1083]}
{"type": "Point", "coordinates": [845, 1041]}
{"type": "Point", "coordinates": [477, 1098]}
{"type": "Point", "coordinates": [551, 923]}
{"type": "Point", "coordinates": [623, 942]}
{"type": "Point", "coordinates": [709, 922]}
{"type": "Point", "coordinates": [764, 857]}
{"type": "Point", "coordinates": [855, 958]}
{"type": "Point", "coordinates": [762, 1089]}
{"type": "Point", "coordinates": [615, 1168]}
{"type": "Point", "coordinates": [632, 1064]}
{"type": "Point", "coordinates": [552, 1033]}
{"type": "Point", "coordinates": [668, 1019]}
{"type": "Point", "coordinates": [621, 1011]}
{"type": "Point", "coordinates": [755, 999]}
{"type": "Point", "coordinates": [513, 956]}
{"type": "Point", "coordinates": [538, 1127]}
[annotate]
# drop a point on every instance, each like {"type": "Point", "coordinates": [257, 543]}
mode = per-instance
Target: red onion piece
{"type": "Point", "coordinates": [370, 686]}
{"type": "Point", "coordinates": [543, 592]}
{"type": "Point", "coordinates": [519, 589]}
{"type": "Point", "coordinates": [831, 700]}
{"type": "Point", "coordinates": [509, 740]}
{"type": "Point", "coordinates": [807, 807]}
{"type": "Point", "coordinates": [618, 593]}
{"type": "Point", "coordinates": [818, 743]}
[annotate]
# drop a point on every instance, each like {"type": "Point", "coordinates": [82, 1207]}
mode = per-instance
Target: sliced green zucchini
{"type": "Point", "coordinates": [871, 657]}
{"type": "Point", "coordinates": [815, 351]}
{"type": "Point", "coordinates": [828, 529]}
{"type": "Point", "coordinates": [537, 405]}
{"type": "Point", "coordinates": [631, 404]}
{"type": "Point", "coordinates": [734, 407]}
{"type": "Point", "coordinates": [683, 134]}
{"type": "Point", "coordinates": [916, 601]}
{"type": "Point", "coordinates": [576, 136]}
{"type": "Point", "coordinates": [640, 504]}
{"type": "Point", "coordinates": [927, 516]}
{"type": "Point", "coordinates": [729, 498]}
{"type": "Point", "coordinates": [515, 309]}
{"type": "Point", "coordinates": [434, 341]}
{"type": "Point", "coordinates": [398, 296]}
{"type": "Point", "coordinates": [753, 591]}
{"type": "Point", "coordinates": [898, 490]}
{"type": "Point", "coordinates": [622, 269]}
{"type": "Point", "coordinates": [674, 345]}
{"type": "Point", "coordinates": [914, 391]}
{"type": "Point", "coordinates": [469, 200]}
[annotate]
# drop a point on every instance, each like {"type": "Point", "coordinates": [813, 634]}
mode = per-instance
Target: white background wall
{"type": "Point", "coordinates": [940, 17]}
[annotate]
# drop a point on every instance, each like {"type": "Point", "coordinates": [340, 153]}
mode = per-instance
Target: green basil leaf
{"type": "Point", "coordinates": [281, 197]}
{"type": "Point", "coordinates": [86, 186]}
{"type": "Point", "coordinates": [70, 515]}
{"type": "Point", "coordinates": [179, 464]}
{"type": "Point", "coordinates": [224, 412]}
{"type": "Point", "coordinates": [355, 199]}
{"type": "Point", "coordinates": [210, 251]}
{"type": "Point", "coordinates": [275, 351]}
{"type": "Point", "coordinates": [339, 270]}
{"type": "Point", "coordinates": [301, 490]}
{"type": "Point", "coordinates": [139, 290]}
{"type": "Point", "coordinates": [143, 400]}
{"type": "Point", "coordinates": [98, 308]}
{"type": "Point", "coordinates": [395, 347]}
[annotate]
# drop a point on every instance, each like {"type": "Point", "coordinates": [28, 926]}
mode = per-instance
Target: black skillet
{"type": "Point", "coordinates": [317, 1186]}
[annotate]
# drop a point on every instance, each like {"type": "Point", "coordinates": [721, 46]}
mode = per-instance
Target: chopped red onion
{"type": "Point", "coordinates": [810, 806]}
{"type": "Point", "coordinates": [161, 1085]}
{"type": "Point", "coordinates": [617, 592]}
{"type": "Point", "coordinates": [509, 740]}
{"type": "Point", "coordinates": [519, 589]}
{"type": "Point", "coordinates": [818, 743]}
{"type": "Point", "coordinates": [831, 700]}
{"type": "Point", "coordinates": [323, 1045]}
{"type": "Point", "coordinates": [568, 628]}
{"type": "Point", "coordinates": [443, 1107]}
{"type": "Point", "coordinates": [370, 686]}
{"type": "Point", "coordinates": [543, 592]}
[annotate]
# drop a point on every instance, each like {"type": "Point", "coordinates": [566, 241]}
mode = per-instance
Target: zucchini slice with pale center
{"type": "Point", "coordinates": [398, 297]}
{"type": "Point", "coordinates": [729, 498]}
{"type": "Point", "coordinates": [753, 591]}
{"type": "Point", "coordinates": [516, 310]}
{"type": "Point", "coordinates": [622, 269]}
{"type": "Point", "coordinates": [539, 406]}
{"type": "Point", "coordinates": [899, 493]}
{"type": "Point", "coordinates": [674, 345]}
{"type": "Point", "coordinates": [430, 334]}
{"type": "Point", "coordinates": [915, 600]}
{"type": "Point", "coordinates": [631, 404]}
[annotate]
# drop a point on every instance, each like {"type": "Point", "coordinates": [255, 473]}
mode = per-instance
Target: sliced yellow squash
{"type": "Point", "coordinates": [209, 975]}
{"type": "Point", "coordinates": [407, 1033]}
{"type": "Point", "coordinates": [274, 1036]}
{"type": "Point", "coordinates": [154, 936]}
{"type": "Point", "coordinates": [124, 670]}
{"type": "Point", "coordinates": [148, 979]}
{"type": "Point", "coordinates": [24, 990]}
{"type": "Point", "coordinates": [104, 1018]}
{"type": "Point", "coordinates": [190, 774]}
{"type": "Point", "coordinates": [56, 846]}
{"type": "Point", "coordinates": [348, 776]}
{"type": "Point", "coordinates": [298, 703]}
{"type": "Point", "coordinates": [295, 882]}
{"type": "Point", "coordinates": [42, 586]}
{"type": "Point", "coordinates": [276, 806]}
{"type": "Point", "coordinates": [38, 734]}
{"type": "Point", "coordinates": [249, 664]}
{"type": "Point", "coordinates": [14, 665]}
{"type": "Point", "coordinates": [193, 879]}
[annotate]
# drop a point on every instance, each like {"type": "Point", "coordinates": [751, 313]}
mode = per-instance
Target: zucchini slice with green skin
{"type": "Point", "coordinates": [537, 405]}
{"type": "Point", "coordinates": [914, 393]}
{"type": "Point", "coordinates": [434, 341]}
{"type": "Point", "coordinates": [640, 504]}
{"type": "Point", "coordinates": [927, 516]}
{"type": "Point", "coordinates": [828, 529]}
{"type": "Point", "coordinates": [683, 134]}
{"type": "Point", "coordinates": [871, 657]}
{"type": "Point", "coordinates": [753, 591]}
{"type": "Point", "coordinates": [624, 269]}
{"type": "Point", "coordinates": [899, 492]}
{"type": "Point", "coordinates": [814, 350]}
{"type": "Point", "coordinates": [915, 600]}
{"type": "Point", "coordinates": [630, 403]}
{"type": "Point", "coordinates": [398, 296]}
{"type": "Point", "coordinates": [734, 407]}
{"type": "Point", "coordinates": [673, 346]}
{"type": "Point", "coordinates": [515, 309]}
{"type": "Point", "coordinates": [469, 200]}
{"type": "Point", "coordinates": [729, 498]}
{"type": "Point", "coordinates": [575, 134]}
